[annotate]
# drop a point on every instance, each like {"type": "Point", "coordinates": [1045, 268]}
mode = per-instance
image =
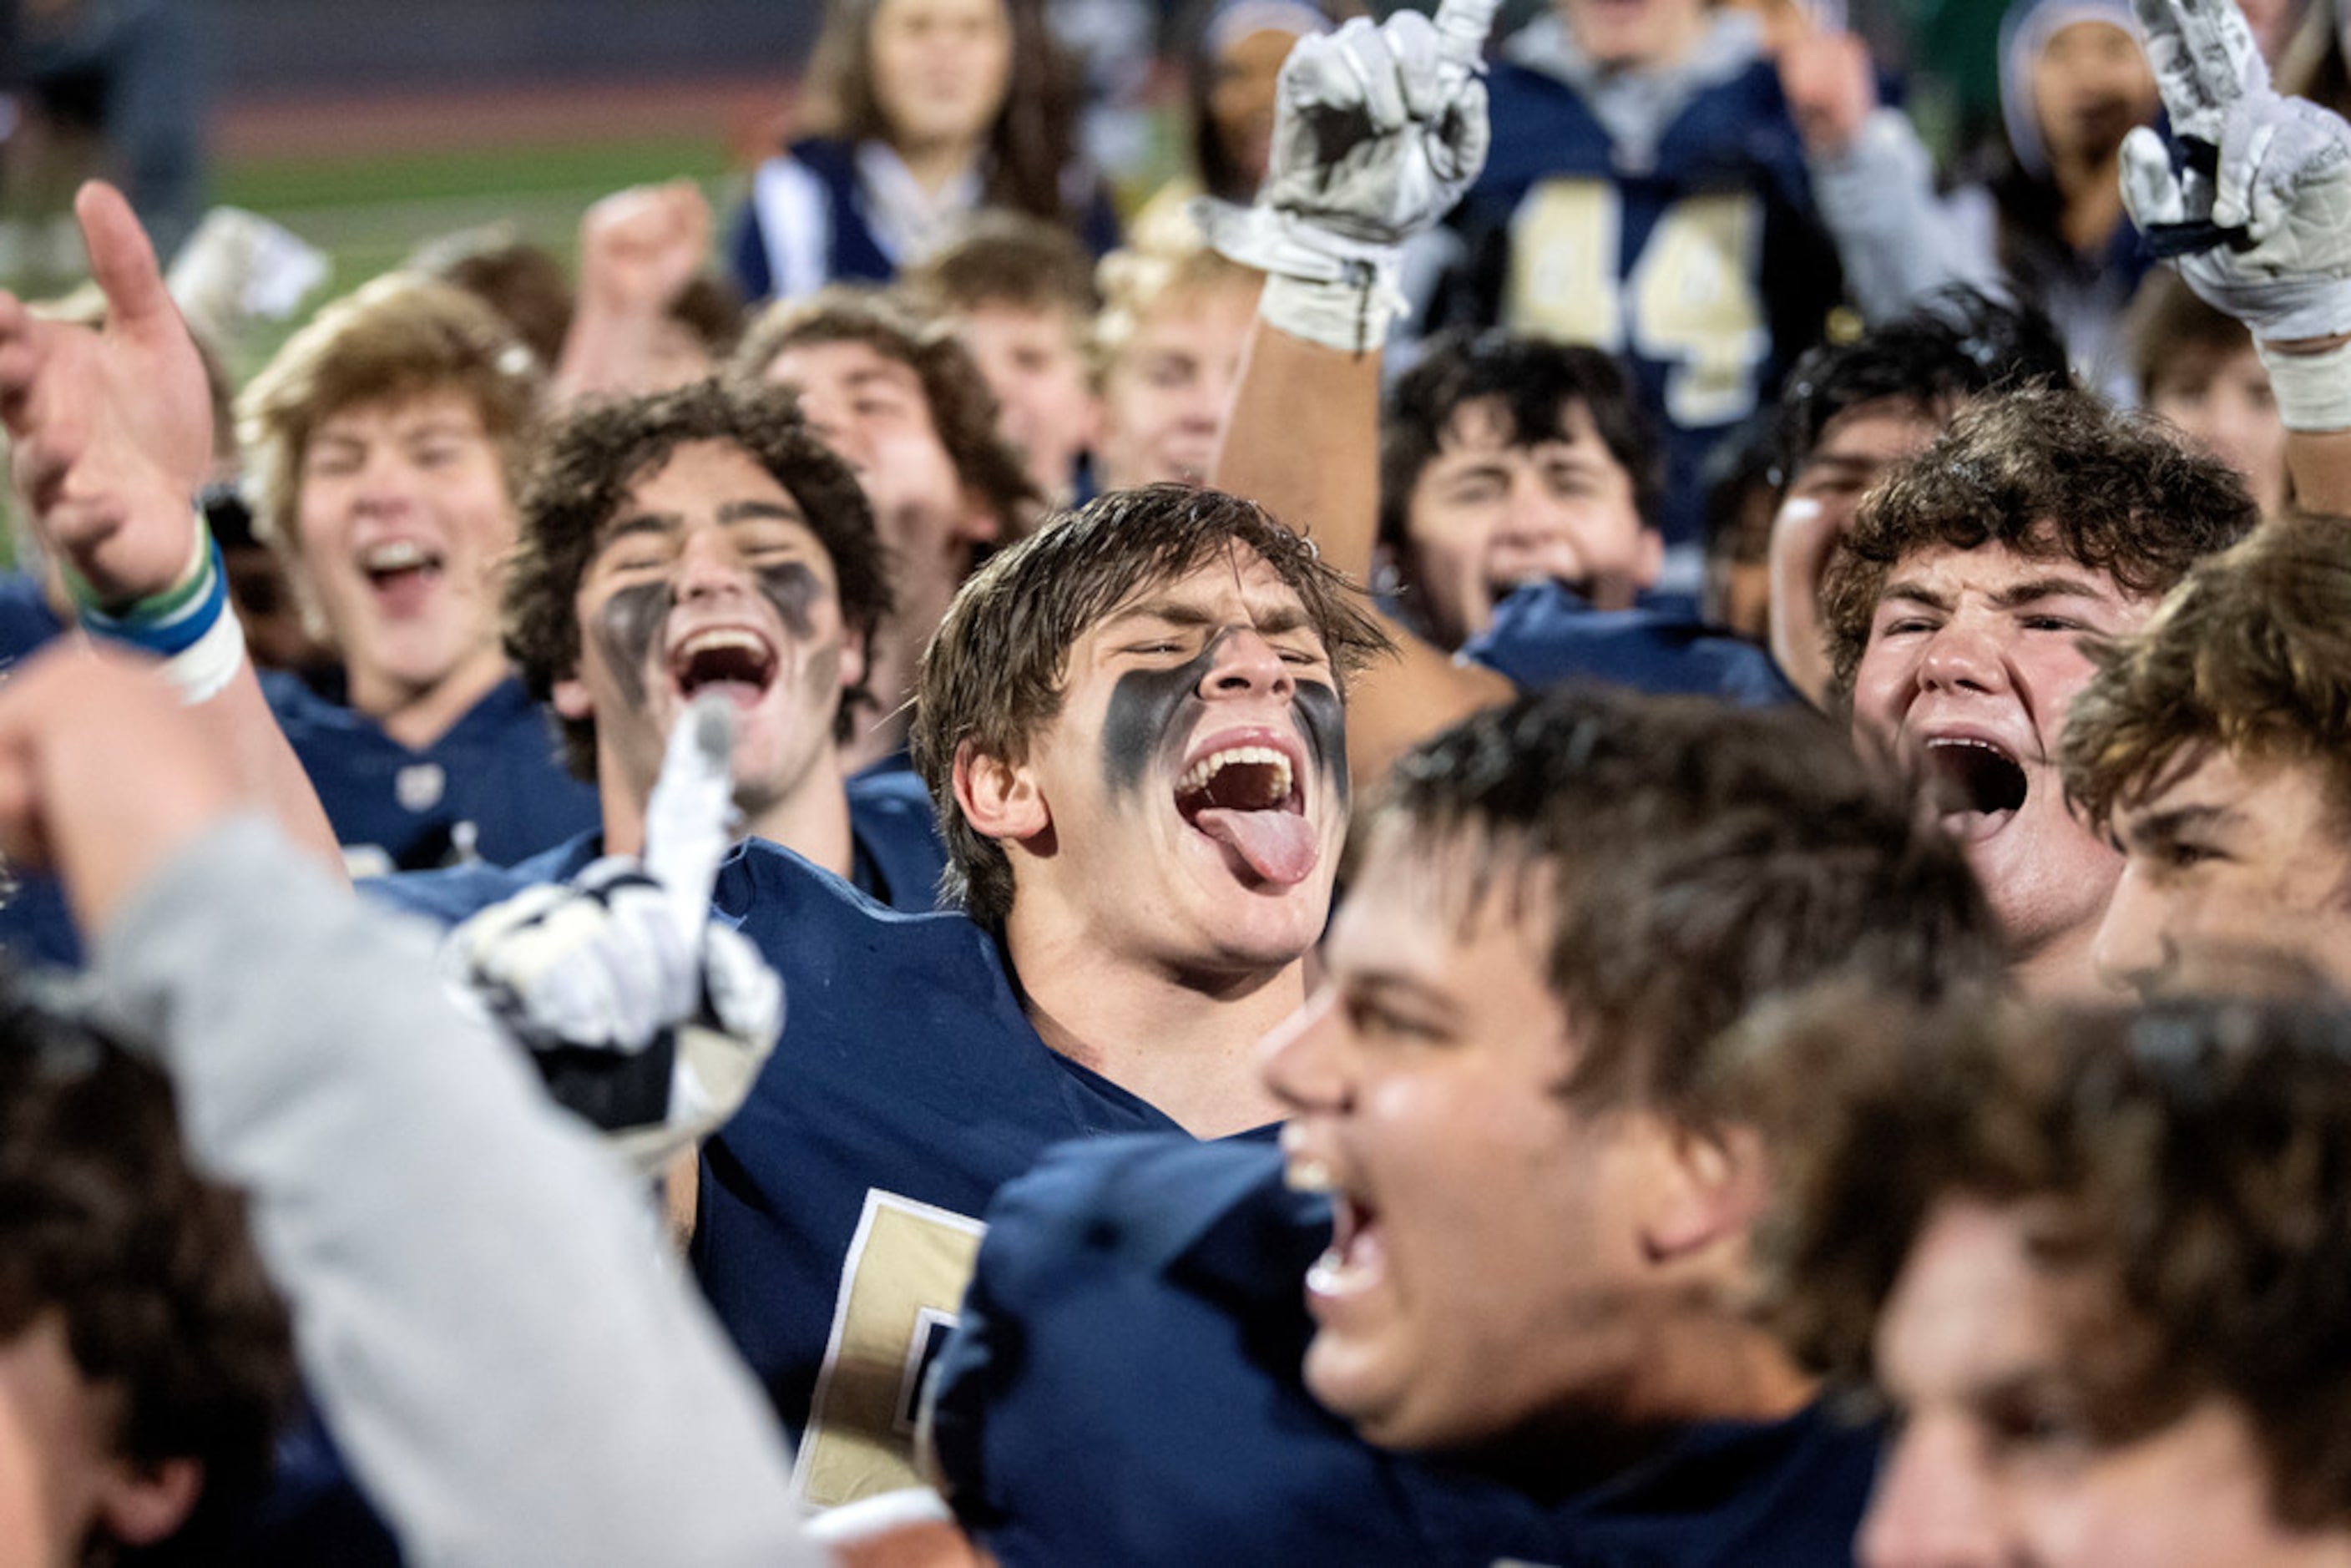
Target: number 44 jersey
{"type": "Point", "coordinates": [1663, 213]}
{"type": "Point", "coordinates": [836, 1228]}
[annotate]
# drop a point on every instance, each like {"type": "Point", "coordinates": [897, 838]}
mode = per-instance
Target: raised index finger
{"type": "Point", "coordinates": [689, 821]}
{"type": "Point", "coordinates": [1461, 29]}
{"type": "Point", "coordinates": [122, 260]}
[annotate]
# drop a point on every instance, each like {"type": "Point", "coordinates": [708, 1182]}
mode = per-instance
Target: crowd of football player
{"type": "Point", "coordinates": [1560, 819]}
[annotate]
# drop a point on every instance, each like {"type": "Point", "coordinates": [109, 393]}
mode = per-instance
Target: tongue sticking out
{"type": "Point", "coordinates": [1279, 845]}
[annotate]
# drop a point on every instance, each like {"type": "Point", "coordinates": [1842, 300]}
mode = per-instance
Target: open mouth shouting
{"type": "Point", "coordinates": [1243, 791]}
{"type": "Point", "coordinates": [1356, 1260]}
{"type": "Point", "coordinates": [733, 661]}
{"type": "Point", "coordinates": [401, 573]}
{"type": "Point", "coordinates": [1975, 784]}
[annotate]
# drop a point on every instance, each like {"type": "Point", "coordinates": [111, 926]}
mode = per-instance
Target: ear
{"type": "Point", "coordinates": [998, 798]}
{"type": "Point", "coordinates": [854, 644]}
{"type": "Point", "coordinates": [571, 698]}
{"type": "Point", "coordinates": [1652, 562]}
{"type": "Point", "coordinates": [1711, 1187]}
{"type": "Point", "coordinates": [141, 1504]}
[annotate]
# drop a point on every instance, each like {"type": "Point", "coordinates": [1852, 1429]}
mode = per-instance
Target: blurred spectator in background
{"type": "Point", "coordinates": [114, 89]}
{"type": "Point", "coordinates": [523, 282]}
{"type": "Point", "coordinates": [2048, 217]}
{"type": "Point", "coordinates": [1663, 186]}
{"type": "Point", "coordinates": [1506, 463]}
{"type": "Point", "coordinates": [1168, 352]}
{"type": "Point", "coordinates": [928, 109]}
{"type": "Point", "coordinates": [384, 441]}
{"type": "Point", "coordinates": [899, 399]}
{"type": "Point", "coordinates": [1231, 52]}
{"type": "Point", "coordinates": [1020, 292]}
{"type": "Point", "coordinates": [2197, 368]}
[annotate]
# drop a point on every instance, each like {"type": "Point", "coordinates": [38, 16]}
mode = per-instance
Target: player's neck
{"type": "Point", "coordinates": [1188, 1048]}
{"type": "Point", "coordinates": [418, 716]}
{"type": "Point", "coordinates": [1694, 1370]}
{"type": "Point", "coordinates": [811, 819]}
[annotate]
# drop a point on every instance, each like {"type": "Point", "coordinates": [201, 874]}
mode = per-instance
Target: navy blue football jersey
{"type": "Point", "coordinates": [1699, 259]}
{"type": "Point", "coordinates": [1545, 632]}
{"type": "Point", "coordinates": [493, 787]}
{"type": "Point", "coordinates": [1124, 1386]}
{"type": "Point", "coordinates": [839, 1208]}
{"type": "Point", "coordinates": [809, 223]}
{"type": "Point", "coordinates": [894, 836]}
{"type": "Point", "coordinates": [35, 927]}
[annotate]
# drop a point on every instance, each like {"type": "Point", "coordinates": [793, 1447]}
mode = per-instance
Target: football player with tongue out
{"type": "Point", "coordinates": [1132, 722]}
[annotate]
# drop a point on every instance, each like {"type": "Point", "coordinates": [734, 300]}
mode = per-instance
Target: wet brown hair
{"type": "Point", "coordinates": [995, 671]}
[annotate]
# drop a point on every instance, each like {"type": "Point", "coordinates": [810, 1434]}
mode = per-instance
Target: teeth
{"type": "Point", "coordinates": [1208, 767]}
{"type": "Point", "coordinates": [722, 637]}
{"type": "Point", "coordinates": [1305, 1175]}
{"type": "Point", "coordinates": [393, 555]}
{"type": "Point", "coordinates": [1950, 740]}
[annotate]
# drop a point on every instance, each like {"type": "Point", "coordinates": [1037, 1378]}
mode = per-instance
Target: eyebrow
{"type": "Point", "coordinates": [1838, 461]}
{"type": "Point", "coordinates": [1270, 623]}
{"type": "Point", "coordinates": [2163, 826]}
{"type": "Point", "coordinates": [2010, 598]}
{"type": "Point", "coordinates": [1389, 985]}
{"type": "Point", "coordinates": [728, 512]}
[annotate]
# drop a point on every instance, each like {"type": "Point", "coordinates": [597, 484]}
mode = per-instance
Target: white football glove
{"type": "Point", "coordinates": [1377, 131]}
{"type": "Point", "coordinates": [642, 1013]}
{"type": "Point", "coordinates": [2258, 219]}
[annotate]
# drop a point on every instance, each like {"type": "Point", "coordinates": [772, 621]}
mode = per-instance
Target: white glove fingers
{"type": "Point", "coordinates": [1461, 28]}
{"type": "Point", "coordinates": [689, 821]}
{"type": "Point", "coordinates": [1421, 75]}
{"type": "Point", "coordinates": [1373, 69]}
{"type": "Point", "coordinates": [2245, 142]}
{"type": "Point", "coordinates": [2203, 58]}
{"type": "Point", "coordinates": [2150, 190]}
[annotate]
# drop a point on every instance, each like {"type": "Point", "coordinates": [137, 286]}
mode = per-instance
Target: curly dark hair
{"type": "Point", "coordinates": [2250, 654]}
{"type": "Point", "coordinates": [1705, 858]}
{"type": "Point", "coordinates": [992, 677]}
{"type": "Point", "coordinates": [587, 464]}
{"type": "Point", "coordinates": [2186, 1169]}
{"type": "Point", "coordinates": [104, 1224]}
{"type": "Point", "coordinates": [1536, 382]}
{"type": "Point", "coordinates": [2053, 474]}
{"type": "Point", "coordinates": [963, 408]}
{"type": "Point", "coordinates": [1955, 344]}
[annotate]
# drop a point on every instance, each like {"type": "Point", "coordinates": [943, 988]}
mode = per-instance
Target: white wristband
{"type": "Point", "coordinates": [2313, 391]}
{"type": "Point", "coordinates": [1350, 317]}
{"type": "Point", "coordinates": [206, 666]}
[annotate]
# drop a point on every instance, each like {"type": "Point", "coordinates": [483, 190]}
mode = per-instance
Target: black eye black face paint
{"type": "Point", "coordinates": [794, 590]}
{"type": "Point", "coordinates": [627, 624]}
{"type": "Point", "coordinates": [1151, 713]}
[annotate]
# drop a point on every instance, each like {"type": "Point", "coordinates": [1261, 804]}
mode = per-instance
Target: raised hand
{"type": "Point", "coordinates": [640, 247]}
{"type": "Point", "coordinates": [111, 428]}
{"type": "Point", "coordinates": [645, 1015]}
{"type": "Point", "coordinates": [2257, 217]}
{"type": "Point", "coordinates": [1377, 132]}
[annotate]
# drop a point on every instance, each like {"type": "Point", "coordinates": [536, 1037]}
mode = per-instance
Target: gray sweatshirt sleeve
{"type": "Point", "coordinates": [1895, 239]}
{"type": "Point", "coordinates": [481, 1306]}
